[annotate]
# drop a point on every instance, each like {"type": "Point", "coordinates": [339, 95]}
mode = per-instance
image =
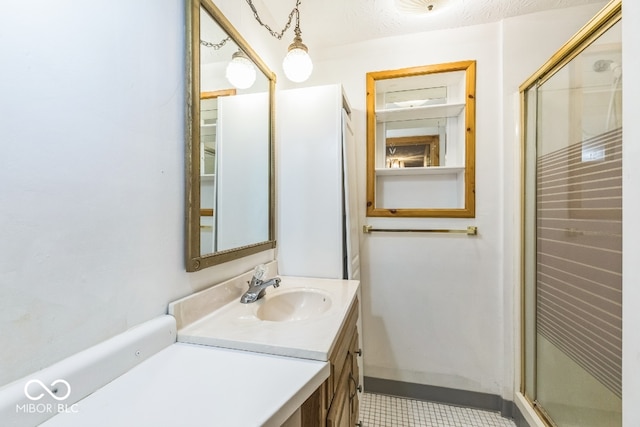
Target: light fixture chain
{"type": "Point", "coordinates": [215, 46]}
{"type": "Point", "coordinates": [286, 27]}
{"type": "Point", "coordinates": [296, 30]}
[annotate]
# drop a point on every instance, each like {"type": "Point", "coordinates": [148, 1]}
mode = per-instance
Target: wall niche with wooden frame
{"type": "Point", "coordinates": [421, 141]}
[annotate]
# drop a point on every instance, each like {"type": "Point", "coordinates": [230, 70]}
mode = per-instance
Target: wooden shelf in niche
{"type": "Point", "coordinates": [414, 113]}
{"type": "Point", "coordinates": [430, 170]}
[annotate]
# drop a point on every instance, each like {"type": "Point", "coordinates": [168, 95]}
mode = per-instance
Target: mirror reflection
{"type": "Point", "coordinates": [230, 161]}
{"type": "Point", "coordinates": [414, 143]}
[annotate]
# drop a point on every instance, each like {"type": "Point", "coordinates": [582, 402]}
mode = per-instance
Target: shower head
{"type": "Point", "coordinates": [602, 65]}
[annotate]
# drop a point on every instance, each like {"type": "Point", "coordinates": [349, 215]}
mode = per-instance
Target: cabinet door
{"type": "Point", "coordinates": [339, 414]}
{"type": "Point", "coordinates": [354, 381]}
{"type": "Point", "coordinates": [349, 156]}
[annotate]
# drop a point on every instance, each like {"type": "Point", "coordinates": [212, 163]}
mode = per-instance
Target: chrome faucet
{"type": "Point", "coordinates": [257, 286]}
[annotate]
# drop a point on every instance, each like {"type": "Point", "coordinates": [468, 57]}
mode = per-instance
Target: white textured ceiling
{"type": "Point", "coordinates": [327, 23]}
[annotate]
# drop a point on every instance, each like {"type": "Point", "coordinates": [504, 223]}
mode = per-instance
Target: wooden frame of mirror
{"type": "Point", "coordinates": [195, 260]}
{"type": "Point", "coordinates": [432, 168]}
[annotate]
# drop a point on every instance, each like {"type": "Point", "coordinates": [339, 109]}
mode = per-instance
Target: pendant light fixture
{"type": "Point", "coordinates": [241, 72]}
{"type": "Point", "coordinates": [297, 63]}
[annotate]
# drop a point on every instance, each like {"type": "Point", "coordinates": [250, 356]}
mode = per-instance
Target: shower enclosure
{"type": "Point", "coordinates": [572, 229]}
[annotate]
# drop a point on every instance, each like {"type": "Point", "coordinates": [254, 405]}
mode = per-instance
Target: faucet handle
{"type": "Point", "coordinates": [259, 271]}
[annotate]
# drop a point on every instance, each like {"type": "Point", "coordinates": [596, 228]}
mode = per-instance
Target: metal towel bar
{"type": "Point", "coordinates": [470, 231]}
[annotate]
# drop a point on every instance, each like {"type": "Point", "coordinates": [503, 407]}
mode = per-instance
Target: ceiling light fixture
{"type": "Point", "coordinates": [297, 63]}
{"type": "Point", "coordinates": [417, 6]}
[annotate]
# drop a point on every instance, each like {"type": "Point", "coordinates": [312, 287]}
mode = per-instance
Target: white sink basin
{"type": "Point", "coordinates": [297, 304]}
{"type": "Point", "coordinates": [298, 319]}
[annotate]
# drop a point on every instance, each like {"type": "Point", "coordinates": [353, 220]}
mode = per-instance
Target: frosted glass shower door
{"type": "Point", "coordinates": [575, 239]}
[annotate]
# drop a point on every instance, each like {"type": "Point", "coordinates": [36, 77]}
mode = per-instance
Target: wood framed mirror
{"type": "Point", "coordinates": [229, 143]}
{"type": "Point", "coordinates": [421, 141]}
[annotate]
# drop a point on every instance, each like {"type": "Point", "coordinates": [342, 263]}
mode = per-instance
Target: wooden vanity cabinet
{"type": "Point", "coordinates": [336, 402]}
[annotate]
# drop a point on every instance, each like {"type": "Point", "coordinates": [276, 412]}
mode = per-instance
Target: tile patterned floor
{"type": "Point", "coordinates": [386, 411]}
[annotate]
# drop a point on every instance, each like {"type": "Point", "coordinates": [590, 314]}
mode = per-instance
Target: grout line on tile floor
{"type": "Point", "coordinates": [379, 410]}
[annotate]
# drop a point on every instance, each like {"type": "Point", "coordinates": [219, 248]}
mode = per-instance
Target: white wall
{"type": "Point", "coordinates": [631, 211]}
{"type": "Point", "coordinates": [441, 309]}
{"type": "Point", "coordinates": [91, 174]}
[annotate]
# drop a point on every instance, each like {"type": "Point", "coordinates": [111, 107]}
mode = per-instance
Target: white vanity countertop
{"type": "Point", "coordinates": [237, 326]}
{"type": "Point", "coordinates": [192, 385]}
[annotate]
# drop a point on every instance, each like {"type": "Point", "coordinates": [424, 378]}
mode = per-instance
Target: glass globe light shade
{"type": "Point", "coordinates": [297, 64]}
{"type": "Point", "coordinates": [240, 71]}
